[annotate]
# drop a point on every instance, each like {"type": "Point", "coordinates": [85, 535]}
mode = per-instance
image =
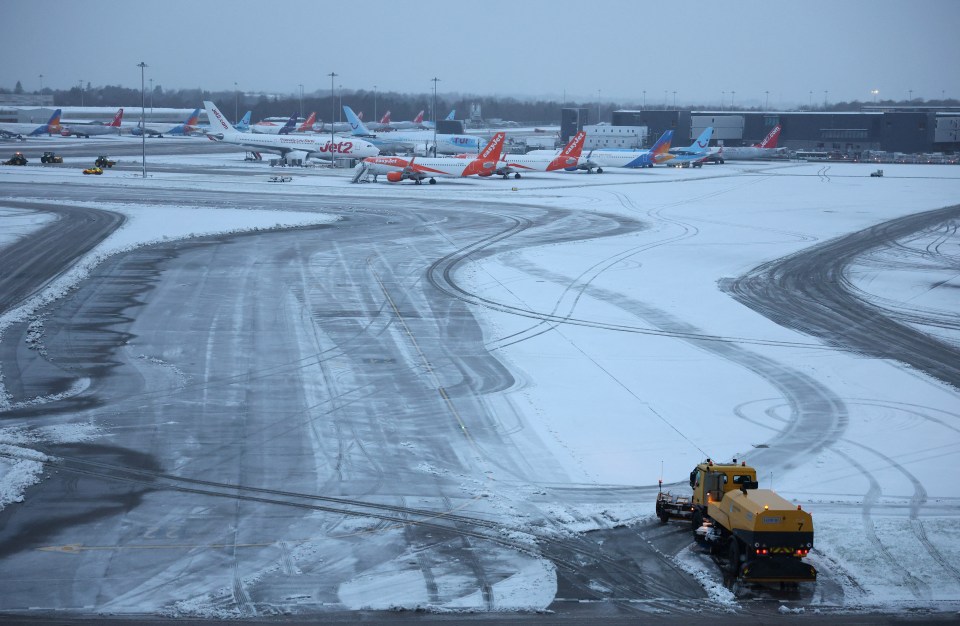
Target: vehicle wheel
{"type": "Point", "coordinates": [664, 518]}
{"type": "Point", "coordinates": [599, 170]}
{"type": "Point", "coordinates": [417, 181]}
{"type": "Point", "coordinates": [433, 181]}
{"type": "Point", "coordinates": [517, 175]}
{"type": "Point", "coordinates": [734, 565]}
{"type": "Point", "coordinates": [721, 161]}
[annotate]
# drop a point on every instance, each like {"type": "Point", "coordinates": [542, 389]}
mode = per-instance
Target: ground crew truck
{"type": "Point", "coordinates": [756, 535]}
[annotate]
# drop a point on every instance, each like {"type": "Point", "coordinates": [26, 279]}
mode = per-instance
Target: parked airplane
{"type": "Point", "coordinates": [766, 148]}
{"type": "Point", "coordinates": [188, 127]}
{"type": "Point", "coordinates": [600, 158]}
{"type": "Point", "coordinates": [697, 152]}
{"type": "Point", "coordinates": [389, 143]}
{"type": "Point", "coordinates": [31, 129]}
{"type": "Point", "coordinates": [567, 159]}
{"type": "Point", "coordinates": [270, 128]}
{"type": "Point", "coordinates": [292, 146]}
{"type": "Point", "coordinates": [86, 129]}
{"type": "Point", "coordinates": [416, 123]}
{"type": "Point", "coordinates": [417, 169]}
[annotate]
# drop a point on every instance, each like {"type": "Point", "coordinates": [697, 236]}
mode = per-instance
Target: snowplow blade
{"type": "Point", "coordinates": [778, 570]}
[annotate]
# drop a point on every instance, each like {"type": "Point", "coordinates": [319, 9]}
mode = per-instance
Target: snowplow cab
{"type": "Point", "coordinates": [710, 481]}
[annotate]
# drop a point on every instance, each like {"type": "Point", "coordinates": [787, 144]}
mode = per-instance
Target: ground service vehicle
{"type": "Point", "coordinates": [16, 159]}
{"type": "Point", "coordinates": [93, 170]}
{"type": "Point", "coordinates": [103, 161]}
{"type": "Point", "coordinates": [50, 157]}
{"type": "Point", "coordinates": [757, 535]}
{"type": "Point", "coordinates": [877, 174]}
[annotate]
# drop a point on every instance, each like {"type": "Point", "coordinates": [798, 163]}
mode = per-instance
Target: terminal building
{"type": "Point", "coordinates": [890, 129]}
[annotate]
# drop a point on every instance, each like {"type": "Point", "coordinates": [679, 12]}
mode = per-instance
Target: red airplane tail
{"type": "Point", "coordinates": [308, 124]}
{"type": "Point", "coordinates": [386, 118]}
{"type": "Point", "coordinates": [419, 118]}
{"type": "Point", "coordinates": [770, 141]}
{"type": "Point", "coordinates": [116, 120]}
{"type": "Point", "coordinates": [486, 162]}
{"type": "Point", "coordinates": [570, 154]}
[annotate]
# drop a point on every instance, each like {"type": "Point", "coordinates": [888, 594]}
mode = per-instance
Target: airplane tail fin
{"type": "Point", "coordinates": [289, 126]}
{"type": "Point", "coordinates": [419, 118]}
{"type": "Point", "coordinates": [386, 118]}
{"type": "Point", "coordinates": [770, 141]}
{"type": "Point", "coordinates": [53, 125]}
{"type": "Point", "coordinates": [486, 162]}
{"type": "Point", "coordinates": [357, 127]}
{"type": "Point", "coordinates": [360, 116]}
{"type": "Point", "coordinates": [193, 119]}
{"type": "Point", "coordinates": [116, 120]}
{"type": "Point", "coordinates": [450, 115]}
{"type": "Point", "coordinates": [575, 147]}
{"type": "Point", "coordinates": [218, 121]}
{"type": "Point", "coordinates": [244, 123]}
{"type": "Point", "coordinates": [493, 149]}
{"type": "Point", "coordinates": [662, 147]}
{"type": "Point", "coordinates": [308, 123]}
{"type": "Point", "coordinates": [703, 141]}
{"type": "Point", "coordinates": [570, 155]}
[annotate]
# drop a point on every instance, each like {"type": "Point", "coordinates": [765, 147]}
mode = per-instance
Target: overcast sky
{"type": "Point", "coordinates": [704, 51]}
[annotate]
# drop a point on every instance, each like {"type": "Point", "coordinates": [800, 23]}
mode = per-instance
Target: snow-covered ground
{"type": "Point", "coordinates": [627, 407]}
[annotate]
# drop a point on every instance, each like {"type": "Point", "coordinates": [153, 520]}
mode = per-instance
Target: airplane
{"type": "Point", "coordinates": [87, 129]}
{"type": "Point", "coordinates": [766, 148]}
{"type": "Point", "coordinates": [383, 125]}
{"type": "Point", "coordinates": [188, 127]}
{"type": "Point", "coordinates": [567, 159]}
{"type": "Point", "coordinates": [416, 123]}
{"type": "Point", "coordinates": [390, 143]}
{"type": "Point", "coordinates": [269, 128]}
{"type": "Point", "coordinates": [600, 158]}
{"type": "Point", "coordinates": [293, 146]}
{"type": "Point", "coordinates": [19, 130]}
{"type": "Point", "coordinates": [416, 169]}
{"type": "Point", "coordinates": [697, 152]}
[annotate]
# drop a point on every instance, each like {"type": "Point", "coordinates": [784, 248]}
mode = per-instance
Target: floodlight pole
{"type": "Point", "coordinates": [333, 114]}
{"type": "Point", "coordinates": [143, 124]}
{"type": "Point", "coordinates": [375, 105]}
{"type": "Point", "coordinates": [301, 100]}
{"type": "Point", "coordinates": [435, 81]}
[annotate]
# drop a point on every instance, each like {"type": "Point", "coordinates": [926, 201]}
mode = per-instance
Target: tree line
{"type": "Point", "coordinates": [403, 106]}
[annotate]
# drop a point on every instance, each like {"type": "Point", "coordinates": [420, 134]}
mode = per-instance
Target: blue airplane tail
{"type": "Point", "coordinates": [703, 141]}
{"type": "Point", "coordinates": [357, 127]}
{"type": "Point", "coordinates": [450, 115]}
{"type": "Point", "coordinates": [244, 123]}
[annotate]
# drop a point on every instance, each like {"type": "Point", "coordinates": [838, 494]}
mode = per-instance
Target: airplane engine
{"type": "Point", "coordinates": [394, 177]}
{"type": "Point", "coordinates": [486, 173]}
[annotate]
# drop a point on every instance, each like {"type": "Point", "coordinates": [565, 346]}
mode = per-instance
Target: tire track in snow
{"type": "Point", "coordinates": [870, 499]}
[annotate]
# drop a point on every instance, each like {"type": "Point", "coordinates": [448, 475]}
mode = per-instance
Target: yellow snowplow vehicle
{"type": "Point", "coordinates": [757, 535]}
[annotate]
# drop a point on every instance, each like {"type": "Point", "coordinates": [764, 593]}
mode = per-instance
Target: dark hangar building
{"type": "Point", "coordinates": [891, 129]}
